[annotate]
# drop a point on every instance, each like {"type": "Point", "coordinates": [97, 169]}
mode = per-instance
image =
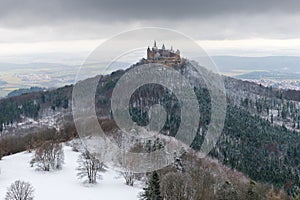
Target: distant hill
{"type": "Point", "coordinates": [271, 75]}
{"type": "Point", "coordinates": [289, 64]}
{"type": "Point", "coordinates": [3, 82]}
{"type": "Point", "coordinates": [25, 91]}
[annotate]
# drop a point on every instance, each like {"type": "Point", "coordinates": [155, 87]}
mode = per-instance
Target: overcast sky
{"type": "Point", "coordinates": [67, 30]}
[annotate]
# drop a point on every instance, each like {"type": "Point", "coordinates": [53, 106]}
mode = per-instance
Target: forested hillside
{"type": "Point", "coordinates": [260, 137]}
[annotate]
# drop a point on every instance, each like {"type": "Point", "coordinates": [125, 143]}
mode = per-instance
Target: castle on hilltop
{"type": "Point", "coordinates": [163, 56]}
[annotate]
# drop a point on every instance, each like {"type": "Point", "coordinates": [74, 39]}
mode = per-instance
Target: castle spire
{"type": "Point", "coordinates": [154, 48]}
{"type": "Point", "coordinates": [163, 47]}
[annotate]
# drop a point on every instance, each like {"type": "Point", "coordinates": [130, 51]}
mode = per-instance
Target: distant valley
{"type": "Point", "coordinates": [276, 71]}
{"type": "Point", "coordinates": [234, 65]}
{"type": "Point", "coordinates": [43, 75]}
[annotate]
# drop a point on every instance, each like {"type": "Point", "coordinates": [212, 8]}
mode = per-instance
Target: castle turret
{"type": "Point", "coordinates": [148, 53]}
{"type": "Point", "coordinates": [163, 47]}
{"type": "Point", "coordinates": [154, 46]}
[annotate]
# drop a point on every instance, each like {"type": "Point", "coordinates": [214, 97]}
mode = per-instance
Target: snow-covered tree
{"type": "Point", "coordinates": [129, 177]}
{"type": "Point", "coordinates": [89, 167]}
{"type": "Point", "coordinates": [178, 162]}
{"type": "Point", "coordinates": [20, 190]}
{"type": "Point", "coordinates": [49, 156]}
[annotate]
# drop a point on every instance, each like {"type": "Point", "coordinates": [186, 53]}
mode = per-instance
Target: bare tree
{"type": "Point", "coordinates": [177, 186]}
{"type": "Point", "coordinates": [89, 167]}
{"type": "Point", "coordinates": [226, 191]}
{"type": "Point", "coordinates": [129, 176]}
{"type": "Point", "coordinates": [126, 164]}
{"type": "Point", "coordinates": [20, 190]}
{"type": "Point", "coordinates": [1, 153]}
{"type": "Point", "coordinates": [49, 156]}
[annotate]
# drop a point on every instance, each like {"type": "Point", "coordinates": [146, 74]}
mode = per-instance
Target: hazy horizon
{"type": "Point", "coordinates": [68, 31]}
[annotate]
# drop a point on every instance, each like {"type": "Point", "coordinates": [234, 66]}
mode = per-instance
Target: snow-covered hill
{"type": "Point", "coordinates": [63, 184]}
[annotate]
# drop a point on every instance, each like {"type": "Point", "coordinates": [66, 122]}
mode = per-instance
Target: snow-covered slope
{"type": "Point", "coordinates": [63, 184]}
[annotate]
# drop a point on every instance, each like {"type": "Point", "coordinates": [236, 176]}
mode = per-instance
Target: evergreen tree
{"type": "Point", "coordinates": [152, 191]}
{"type": "Point", "coordinates": [272, 119]}
{"type": "Point", "coordinates": [297, 195]}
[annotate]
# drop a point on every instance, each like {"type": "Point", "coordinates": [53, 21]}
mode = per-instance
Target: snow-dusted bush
{"type": "Point", "coordinates": [129, 177]}
{"type": "Point", "coordinates": [49, 156]}
{"type": "Point", "coordinates": [76, 145]}
{"type": "Point", "coordinates": [20, 190]}
{"type": "Point", "coordinates": [126, 170]}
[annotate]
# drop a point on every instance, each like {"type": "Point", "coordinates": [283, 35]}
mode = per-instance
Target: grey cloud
{"type": "Point", "coordinates": [30, 12]}
{"type": "Point", "coordinates": [208, 18]}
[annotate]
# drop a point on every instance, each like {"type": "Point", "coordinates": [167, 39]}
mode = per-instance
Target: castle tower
{"type": "Point", "coordinates": [154, 46]}
{"type": "Point", "coordinates": [163, 47]}
{"type": "Point", "coordinates": [148, 53]}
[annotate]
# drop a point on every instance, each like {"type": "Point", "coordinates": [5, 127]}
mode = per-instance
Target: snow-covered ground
{"type": "Point", "coordinates": [63, 184]}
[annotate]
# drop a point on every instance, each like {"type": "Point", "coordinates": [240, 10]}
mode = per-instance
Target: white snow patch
{"type": "Point", "coordinates": [63, 184]}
